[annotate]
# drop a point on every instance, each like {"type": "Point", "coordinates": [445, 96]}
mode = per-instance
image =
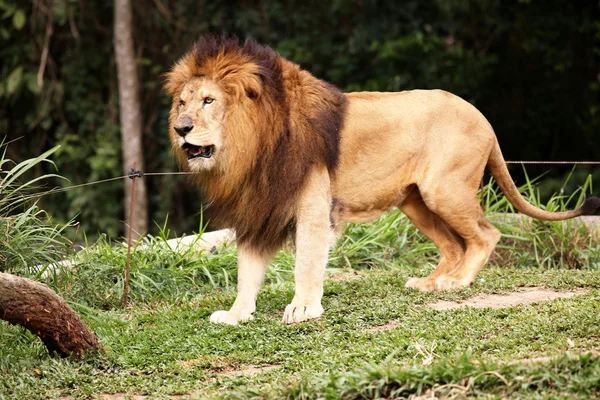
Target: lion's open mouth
{"type": "Point", "coordinates": [194, 151]}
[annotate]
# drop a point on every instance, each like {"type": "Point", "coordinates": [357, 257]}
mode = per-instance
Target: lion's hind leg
{"type": "Point", "coordinates": [449, 243]}
{"type": "Point", "coordinates": [465, 217]}
{"type": "Point", "coordinates": [479, 249]}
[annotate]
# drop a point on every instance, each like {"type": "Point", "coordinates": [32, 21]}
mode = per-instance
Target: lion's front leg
{"type": "Point", "coordinates": [313, 237]}
{"type": "Point", "coordinates": [252, 266]}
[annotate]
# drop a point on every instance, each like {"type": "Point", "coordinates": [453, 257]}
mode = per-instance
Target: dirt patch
{"type": "Point", "coordinates": [225, 366]}
{"type": "Point", "coordinates": [218, 363]}
{"type": "Point", "coordinates": [248, 370]}
{"type": "Point", "coordinates": [525, 295]}
{"type": "Point", "coordinates": [383, 328]}
{"type": "Point", "coordinates": [344, 276]}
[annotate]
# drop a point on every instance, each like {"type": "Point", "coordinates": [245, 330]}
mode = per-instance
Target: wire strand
{"type": "Point", "coordinates": [64, 189]}
{"type": "Point", "coordinates": [67, 188]}
{"type": "Point", "coordinates": [168, 173]}
{"type": "Point", "coordinates": [555, 162]}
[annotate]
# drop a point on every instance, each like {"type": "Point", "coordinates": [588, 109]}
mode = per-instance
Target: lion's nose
{"type": "Point", "coordinates": [183, 126]}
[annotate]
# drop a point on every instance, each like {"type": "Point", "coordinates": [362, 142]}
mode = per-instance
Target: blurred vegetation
{"type": "Point", "coordinates": [531, 66]}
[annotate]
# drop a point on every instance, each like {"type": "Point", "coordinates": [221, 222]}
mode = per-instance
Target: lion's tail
{"type": "Point", "coordinates": [497, 166]}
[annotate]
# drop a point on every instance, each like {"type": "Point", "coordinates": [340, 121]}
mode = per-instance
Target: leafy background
{"type": "Point", "coordinates": [531, 66]}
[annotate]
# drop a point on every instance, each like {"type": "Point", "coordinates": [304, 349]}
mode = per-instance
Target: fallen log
{"type": "Point", "coordinates": [36, 307]}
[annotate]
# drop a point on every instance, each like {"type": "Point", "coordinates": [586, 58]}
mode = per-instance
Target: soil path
{"type": "Point", "coordinates": [524, 295]}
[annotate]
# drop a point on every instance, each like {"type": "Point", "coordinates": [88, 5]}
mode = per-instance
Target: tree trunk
{"type": "Point", "coordinates": [130, 115]}
{"type": "Point", "coordinates": [37, 308]}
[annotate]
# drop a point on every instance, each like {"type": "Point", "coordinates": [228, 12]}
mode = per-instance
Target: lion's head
{"type": "Point", "coordinates": [220, 92]}
{"type": "Point", "coordinates": [197, 123]}
{"type": "Point", "coordinates": [252, 125]}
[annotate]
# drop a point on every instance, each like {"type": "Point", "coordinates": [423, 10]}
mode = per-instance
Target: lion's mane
{"type": "Point", "coordinates": [281, 123]}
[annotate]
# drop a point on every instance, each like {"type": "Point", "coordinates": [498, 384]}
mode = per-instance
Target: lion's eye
{"type": "Point", "coordinates": [208, 100]}
{"type": "Point", "coordinates": [181, 103]}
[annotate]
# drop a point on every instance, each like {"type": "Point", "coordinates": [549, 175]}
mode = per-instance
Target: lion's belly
{"type": "Point", "coordinates": [362, 195]}
{"type": "Point", "coordinates": [367, 184]}
{"type": "Point", "coordinates": [367, 208]}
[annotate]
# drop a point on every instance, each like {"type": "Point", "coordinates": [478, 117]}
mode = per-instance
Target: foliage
{"type": "Point", "coordinates": [527, 242]}
{"type": "Point", "coordinates": [572, 375]}
{"type": "Point", "coordinates": [530, 66]}
{"type": "Point", "coordinates": [27, 239]}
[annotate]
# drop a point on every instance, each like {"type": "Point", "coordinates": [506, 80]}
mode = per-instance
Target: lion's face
{"type": "Point", "coordinates": [197, 118]}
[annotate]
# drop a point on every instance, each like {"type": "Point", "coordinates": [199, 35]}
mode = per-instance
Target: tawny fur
{"type": "Point", "coordinates": [297, 158]}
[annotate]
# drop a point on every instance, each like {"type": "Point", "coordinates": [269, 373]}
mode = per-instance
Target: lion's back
{"type": "Point", "coordinates": [407, 118]}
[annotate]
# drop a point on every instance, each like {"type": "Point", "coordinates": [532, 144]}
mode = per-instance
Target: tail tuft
{"type": "Point", "coordinates": [590, 206]}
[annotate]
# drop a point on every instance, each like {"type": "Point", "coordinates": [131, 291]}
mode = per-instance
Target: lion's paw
{"type": "Point", "coordinates": [295, 313]}
{"type": "Point", "coordinates": [446, 282]}
{"type": "Point", "coordinates": [228, 317]}
{"type": "Point", "coordinates": [422, 284]}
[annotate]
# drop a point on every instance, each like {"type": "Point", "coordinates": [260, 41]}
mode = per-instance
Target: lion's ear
{"type": "Point", "coordinates": [252, 94]}
{"type": "Point", "coordinates": [177, 76]}
{"type": "Point", "coordinates": [171, 85]}
{"type": "Point", "coordinates": [253, 87]}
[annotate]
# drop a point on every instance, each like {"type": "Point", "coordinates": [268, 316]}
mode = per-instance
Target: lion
{"type": "Point", "coordinates": [283, 155]}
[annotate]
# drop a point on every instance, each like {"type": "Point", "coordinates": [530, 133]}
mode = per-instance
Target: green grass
{"type": "Point", "coordinates": [162, 344]}
{"type": "Point", "coordinates": [27, 235]}
{"type": "Point", "coordinates": [148, 344]}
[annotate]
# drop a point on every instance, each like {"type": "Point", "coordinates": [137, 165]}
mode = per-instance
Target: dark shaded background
{"type": "Point", "coordinates": [530, 66]}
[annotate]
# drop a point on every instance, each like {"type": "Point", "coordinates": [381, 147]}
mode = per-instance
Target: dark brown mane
{"type": "Point", "coordinates": [210, 47]}
{"type": "Point", "coordinates": [293, 124]}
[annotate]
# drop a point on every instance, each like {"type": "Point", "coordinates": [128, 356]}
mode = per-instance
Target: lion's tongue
{"type": "Point", "coordinates": [194, 150]}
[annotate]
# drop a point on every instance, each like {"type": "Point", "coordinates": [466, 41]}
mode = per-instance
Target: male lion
{"type": "Point", "coordinates": [283, 154]}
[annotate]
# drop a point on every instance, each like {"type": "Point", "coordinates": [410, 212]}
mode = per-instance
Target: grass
{"type": "Point", "coordinates": [376, 339]}
{"type": "Point", "coordinates": [170, 348]}
{"type": "Point", "coordinates": [27, 237]}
